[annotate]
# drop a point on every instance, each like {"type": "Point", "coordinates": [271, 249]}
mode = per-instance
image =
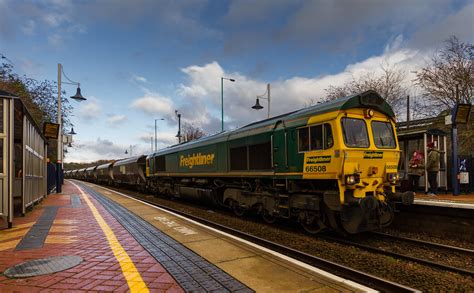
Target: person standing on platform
{"type": "Point", "coordinates": [416, 170]}
{"type": "Point", "coordinates": [432, 166]}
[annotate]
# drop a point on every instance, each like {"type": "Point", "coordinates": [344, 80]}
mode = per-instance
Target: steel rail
{"type": "Point", "coordinates": [427, 243]}
{"type": "Point", "coordinates": [329, 266]}
{"type": "Point", "coordinates": [401, 256]}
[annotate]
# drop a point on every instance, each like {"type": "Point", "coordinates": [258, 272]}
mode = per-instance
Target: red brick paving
{"type": "Point", "coordinates": [99, 271]}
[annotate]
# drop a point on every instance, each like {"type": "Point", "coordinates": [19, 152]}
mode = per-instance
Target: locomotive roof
{"type": "Point", "coordinates": [368, 99]}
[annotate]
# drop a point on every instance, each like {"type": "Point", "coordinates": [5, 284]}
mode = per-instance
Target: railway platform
{"type": "Point", "coordinates": [91, 239]}
{"type": "Point", "coordinates": [463, 201]}
{"type": "Point", "coordinates": [72, 224]}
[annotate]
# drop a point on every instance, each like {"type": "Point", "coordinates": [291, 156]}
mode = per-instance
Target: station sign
{"type": "Point", "coordinates": [461, 113]}
{"type": "Point", "coordinates": [51, 130]}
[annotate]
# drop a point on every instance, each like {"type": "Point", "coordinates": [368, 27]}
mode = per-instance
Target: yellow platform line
{"type": "Point", "coordinates": [130, 272]}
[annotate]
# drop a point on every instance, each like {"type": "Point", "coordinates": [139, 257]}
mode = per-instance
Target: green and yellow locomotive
{"type": "Point", "coordinates": [329, 166]}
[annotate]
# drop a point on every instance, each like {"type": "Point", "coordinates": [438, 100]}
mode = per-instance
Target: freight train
{"type": "Point", "coordinates": [331, 166]}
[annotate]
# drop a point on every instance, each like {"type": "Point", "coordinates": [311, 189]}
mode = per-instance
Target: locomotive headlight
{"type": "Point", "coordinates": [352, 179]}
{"type": "Point", "coordinates": [392, 177]}
{"type": "Point", "coordinates": [369, 113]}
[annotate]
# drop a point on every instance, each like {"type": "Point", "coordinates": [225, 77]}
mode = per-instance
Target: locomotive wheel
{"type": "Point", "coordinates": [386, 216]}
{"type": "Point", "coordinates": [311, 223]}
{"type": "Point", "coordinates": [237, 209]}
{"type": "Point", "coordinates": [268, 217]}
{"type": "Point", "coordinates": [311, 228]}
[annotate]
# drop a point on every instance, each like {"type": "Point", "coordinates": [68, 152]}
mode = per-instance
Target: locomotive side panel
{"type": "Point", "coordinates": [198, 160]}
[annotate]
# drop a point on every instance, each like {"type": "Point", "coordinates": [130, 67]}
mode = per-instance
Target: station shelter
{"type": "Point", "coordinates": [23, 152]}
{"type": "Point", "coordinates": [416, 139]}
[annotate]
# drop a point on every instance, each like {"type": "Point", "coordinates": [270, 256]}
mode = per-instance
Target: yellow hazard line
{"type": "Point", "coordinates": [130, 272]}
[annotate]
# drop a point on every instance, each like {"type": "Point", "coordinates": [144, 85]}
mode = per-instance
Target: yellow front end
{"type": "Point", "coordinates": [370, 162]}
{"type": "Point", "coordinates": [362, 157]}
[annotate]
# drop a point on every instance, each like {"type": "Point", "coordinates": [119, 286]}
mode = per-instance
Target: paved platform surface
{"type": "Point", "coordinates": [152, 252]}
{"type": "Point", "coordinates": [260, 270]}
{"type": "Point", "coordinates": [67, 224]}
{"type": "Point", "coordinates": [463, 200]}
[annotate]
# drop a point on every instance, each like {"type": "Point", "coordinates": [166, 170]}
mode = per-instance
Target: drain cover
{"type": "Point", "coordinates": [43, 266]}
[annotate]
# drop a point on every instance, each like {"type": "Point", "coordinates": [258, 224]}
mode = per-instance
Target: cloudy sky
{"type": "Point", "coordinates": [141, 60]}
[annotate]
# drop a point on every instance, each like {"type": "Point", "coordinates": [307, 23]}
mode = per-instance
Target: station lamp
{"type": "Point", "coordinates": [78, 97]}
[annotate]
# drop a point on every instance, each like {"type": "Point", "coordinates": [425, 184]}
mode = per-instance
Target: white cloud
{"type": "Point", "coordinates": [163, 139]}
{"type": "Point", "coordinates": [204, 80]}
{"type": "Point", "coordinates": [138, 79]}
{"type": "Point", "coordinates": [202, 91]}
{"type": "Point", "coordinates": [155, 105]}
{"type": "Point", "coordinates": [90, 109]}
{"type": "Point", "coordinates": [101, 149]}
{"type": "Point", "coordinates": [116, 120]}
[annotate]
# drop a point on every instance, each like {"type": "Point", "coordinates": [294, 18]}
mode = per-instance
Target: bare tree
{"type": "Point", "coordinates": [449, 76]}
{"type": "Point", "coordinates": [389, 84]}
{"type": "Point", "coordinates": [191, 132]}
{"type": "Point", "coordinates": [40, 97]}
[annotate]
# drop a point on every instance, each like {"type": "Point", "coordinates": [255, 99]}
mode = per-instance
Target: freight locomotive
{"type": "Point", "coordinates": [329, 166]}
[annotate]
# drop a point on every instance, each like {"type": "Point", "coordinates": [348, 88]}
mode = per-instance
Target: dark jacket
{"type": "Point", "coordinates": [417, 169]}
{"type": "Point", "coordinates": [432, 164]}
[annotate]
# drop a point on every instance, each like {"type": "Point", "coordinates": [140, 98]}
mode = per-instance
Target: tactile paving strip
{"type": "Point", "coordinates": [76, 201]}
{"type": "Point", "coordinates": [192, 272]}
{"type": "Point", "coordinates": [44, 266]}
{"type": "Point", "coordinates": [37, 235]}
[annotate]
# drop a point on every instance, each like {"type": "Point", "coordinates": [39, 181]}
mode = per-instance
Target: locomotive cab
{"type": "Point", "coordinates": [358, 148]}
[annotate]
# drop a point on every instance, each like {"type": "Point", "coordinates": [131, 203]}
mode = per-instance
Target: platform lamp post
{"type": "Point", "coordinates": [257, 105]}
{"type": "Point", "coordinates": [68, 141]}
{"type": "Point", "coordinates": [179, 125]}
{"type": "Point", "coordinates": [156, 148]}
{"type": "Point", "coordinates": [126, 151]}
{"type": "Point", "coordinates": [78, 97]}
{"type": "Point", "coordinates": [222, 100]}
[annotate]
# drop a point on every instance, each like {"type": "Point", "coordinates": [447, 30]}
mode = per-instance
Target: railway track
{"type": "Point", "coordinates": [423, 261]}
{"type": "Point", "coordinates": [426, 243]}
{"type": "Point", "coordinates": [332, 267]}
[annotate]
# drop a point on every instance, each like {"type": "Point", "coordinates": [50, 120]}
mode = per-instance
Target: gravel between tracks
{"type": "Point", "coordinates": [288, 234]}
